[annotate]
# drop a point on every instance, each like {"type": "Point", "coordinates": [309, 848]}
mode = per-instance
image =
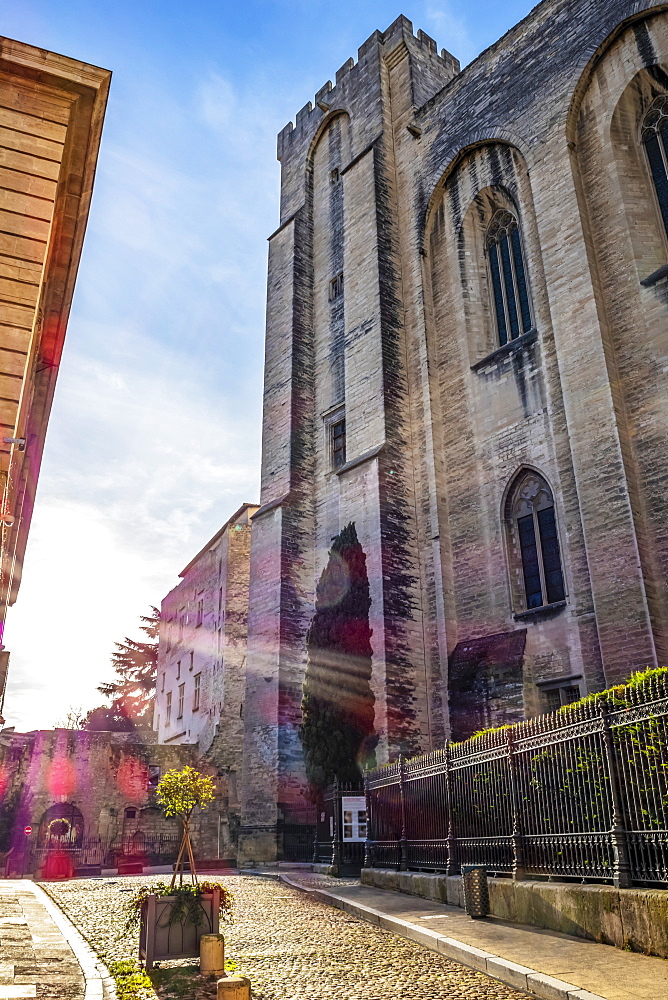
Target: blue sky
{"type": "Point", "coordinates": [154, 437]}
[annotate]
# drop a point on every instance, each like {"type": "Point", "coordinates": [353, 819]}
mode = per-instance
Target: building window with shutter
{"type": "Point", "coordinates": [510, 292]}
{"type": "Point", "coordinates": [534, 542]}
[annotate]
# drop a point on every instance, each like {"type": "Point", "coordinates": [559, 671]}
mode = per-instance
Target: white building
{"type": "Point", "coordinates": [202, 649]}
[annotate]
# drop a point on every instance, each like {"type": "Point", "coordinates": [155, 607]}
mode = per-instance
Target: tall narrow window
{"type": "Point", "coordinates": [336, 287]}
{"type": "Point", "coordinates": [198, 679]}
{"type": "Point", "coordinates": [510, 292]}
{"type": "Point", "coordinates": [655, 138]}
{"type": "Point", "coordinates": [168, 708]}
{"type": "Point", "coordinates": [535, 540]}
{"type": "Point", "coordinates": [338, 432]}
{"type": "Point", "coordinates": [182, 694]}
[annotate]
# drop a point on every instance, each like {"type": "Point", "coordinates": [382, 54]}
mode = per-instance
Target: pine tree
{"type": "Point", "coordinates": [338, 704]}
{"type": "Point", "coordinates": [132, 690]}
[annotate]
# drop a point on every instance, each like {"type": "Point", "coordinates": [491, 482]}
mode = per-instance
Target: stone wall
{"type": "Point", "coordinates": [402, 165]}
{"type": "Point", "coordinates": [108, 778]}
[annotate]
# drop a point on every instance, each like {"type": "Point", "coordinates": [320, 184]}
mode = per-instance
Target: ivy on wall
{"type": "Point", "coordinates": [338, 703]}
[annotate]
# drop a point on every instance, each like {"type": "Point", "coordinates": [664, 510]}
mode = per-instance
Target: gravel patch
{"type": "Point", "coordinates": [290, 946]}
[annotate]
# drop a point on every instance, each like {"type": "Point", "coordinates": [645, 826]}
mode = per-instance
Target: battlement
{"type": "Point", "coordinates": [400, 31]}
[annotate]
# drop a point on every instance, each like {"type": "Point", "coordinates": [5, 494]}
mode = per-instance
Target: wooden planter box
{"type": "Point", "coordinates": [159, 939]}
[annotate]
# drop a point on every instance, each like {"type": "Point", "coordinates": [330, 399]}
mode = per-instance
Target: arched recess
{"type": "Point", "coordinates": [61, 826]}
{"type": "Point", "coordinates": [329, 153]}
{"type": "Point", "coordinates": [494, 399]}
{"type": "Point", "coordinates": [324, 126]}
{"type": "Point", "coordinates": [646, 215]}
{"type": "Point", "coordinates": [628, 244]}
{"type": "Point", "coordinates": [498, 304]}
{"type": "Point", "coordinates": [488, 181]}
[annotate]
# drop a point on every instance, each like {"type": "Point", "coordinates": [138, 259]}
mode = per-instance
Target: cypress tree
{"type": "Point", "coordinates": [338, 704]}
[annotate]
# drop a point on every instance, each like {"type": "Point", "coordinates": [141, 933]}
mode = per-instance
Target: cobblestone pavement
{"type": "Point", "coordinates": [291, 947]}
{"type": "Point", "coordinates": [35, 958]}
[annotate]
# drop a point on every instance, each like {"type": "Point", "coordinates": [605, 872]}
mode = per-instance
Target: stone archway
{"type": "Point", "coordinates": [59, 840]}
{"type": "Point", "coordinates": [61, 826]}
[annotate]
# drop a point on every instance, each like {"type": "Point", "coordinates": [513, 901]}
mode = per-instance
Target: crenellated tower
{"type": "Point", "coordinates": [336, 436]}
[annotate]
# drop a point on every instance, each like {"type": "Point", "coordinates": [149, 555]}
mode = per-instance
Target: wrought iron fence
{"type": "Point", "coordinates": [578, 794]}
{"type": "Point", "coordinates": [93, 852]}
{"type": "Point", "coordinates": [315, 834]}
{"type": "Point", "coordinates": [298, 831]}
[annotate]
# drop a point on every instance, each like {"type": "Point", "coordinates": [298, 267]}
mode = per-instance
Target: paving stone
{"type": "Point", "coordinates": [35, 958]}
{"type": "Point", "coordinates": [291, 947]}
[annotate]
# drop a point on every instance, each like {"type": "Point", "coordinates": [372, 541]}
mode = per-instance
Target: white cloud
{"type": "Point", "coordinates": [154, 438]}
{"type": "Point", "coordinates": [451, 31]}
{"type": "Point", "coordinates": [143, 469]}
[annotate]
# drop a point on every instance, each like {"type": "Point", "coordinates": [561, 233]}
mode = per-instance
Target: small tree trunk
{"type": "Point", "coordinates": [178, 867]}
{"type": "Point", "coordinates": [193, 870]}
{"type": "Point", "coordinates": [185, 849]}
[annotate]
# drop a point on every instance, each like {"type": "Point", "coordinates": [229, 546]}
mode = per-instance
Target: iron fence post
{"type": "Point", "coordinates": [316, 856]}
{"type": "Point", "coordinates": [451, 866]}
{"type": "Point", "coordinates": [620, 848]}
{"type": "Point", "coordinates": [336, 839]}
{"type": "Point", "coordinates": [368, 848]}
{"type": "Point", "coordinates": [519, 871]}
{"type": "Point", "coordinates": [403, 842]}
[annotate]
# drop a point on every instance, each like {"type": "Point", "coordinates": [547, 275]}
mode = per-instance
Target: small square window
{"type": "Point", "coordinates": [336, 287]}
{"type": "Point", "coordinates": [334, 176]}
{"type": "Point", "coordinates": [338, 443]}
{"type": "Point", "coordinates": [556, 695]}
{"type": "Point", "coordinates": [552, 700]}
{"type": "Point", "coordinates": [130, 813]}
{"type": "Point", "coordinates": [570, 694]}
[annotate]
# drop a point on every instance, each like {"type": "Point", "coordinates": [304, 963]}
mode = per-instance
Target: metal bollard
{"type": "Point", "coordinates": [476, 893]}
{"type": "Point", "coordinates": [234, 988]}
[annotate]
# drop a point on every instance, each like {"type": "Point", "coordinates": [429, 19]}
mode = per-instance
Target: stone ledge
{"type": "Point", "coordinates": [631, 919]}
{"type": "Point", "coordinates": [506, 350]}
{"type": "Point", "coordinates": [360, 460]}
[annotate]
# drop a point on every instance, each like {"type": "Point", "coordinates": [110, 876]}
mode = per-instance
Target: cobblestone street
{"type": "Point", "coordinates": [291, 948]}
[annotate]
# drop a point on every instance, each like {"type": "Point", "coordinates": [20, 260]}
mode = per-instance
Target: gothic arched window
{"type": "Point", "coordinates": [535, 541]}
{"type": "Point", "coordinates": [655, 138]}
{"type": "Point", "coordinates": [509, 283]}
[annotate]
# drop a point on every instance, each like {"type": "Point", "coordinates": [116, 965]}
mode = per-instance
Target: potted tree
{"type": "Point", "coordinates": [172, 918]}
